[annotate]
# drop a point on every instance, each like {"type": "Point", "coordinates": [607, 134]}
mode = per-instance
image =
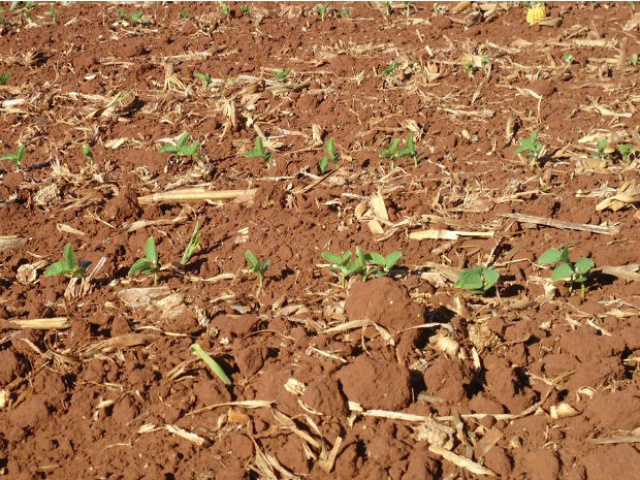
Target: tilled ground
{"type": "Point", "coordinates": [404, 377]}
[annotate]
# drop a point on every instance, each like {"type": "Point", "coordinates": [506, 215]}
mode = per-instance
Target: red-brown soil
{"type": "Point", "coordinates": [403, 378]}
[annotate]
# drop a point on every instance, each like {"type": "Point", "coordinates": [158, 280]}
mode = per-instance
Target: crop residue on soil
{"type": "Point", "coordinates": [403, 377]}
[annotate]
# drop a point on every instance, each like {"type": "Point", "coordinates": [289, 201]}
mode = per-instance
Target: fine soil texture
{"type": "Point", "coordinates": [421, 369]}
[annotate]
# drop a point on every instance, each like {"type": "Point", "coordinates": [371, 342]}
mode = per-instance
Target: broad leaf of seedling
{"type": "Point", "coordinates": [215, 367]}
{"type": "Point", "coordinates": [4, 78]}
{"type": "Point", "coordinates": [56, 269]}
{"type": "Point", "coordinates": [390, 151]}
{"type": "Point", "coordinates": [392, 259]}
{"type": "Point", "coordinates": [584, 266]}
{"type": "Point", "coordinates": [470, 279]}
{"type": "Point", "coordinates": [491, 277]}
{"type": "Point", "coordinates": [377, 259]}
{"type": "Point", "coordinates": [254, 263]}
{"type": "Point", "coordinates": [564, 271]}
{"type": "Point", "coordinates": [552, 256]}
{"type": "Point", "coordinates": [142, 265]}
{"type": "Point", "coordinates": [336, 259]}
{"type": "Point", "coordinates": [282, 75]}
{"type": "Point", "coordinates": [151, 251]}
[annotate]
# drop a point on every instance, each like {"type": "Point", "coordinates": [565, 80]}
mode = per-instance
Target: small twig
{"type": "Point", "coordinates": [550, 222]}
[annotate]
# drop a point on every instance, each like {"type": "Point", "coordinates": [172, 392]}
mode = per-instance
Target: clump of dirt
{"type": "Point", "coordinates": [383, 301]}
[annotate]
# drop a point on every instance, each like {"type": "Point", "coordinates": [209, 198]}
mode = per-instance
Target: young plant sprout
{"type": "Point", "coordinates": [68, 266]}
{"type": "Point", "coordinates": [533, 147]}
{"type": "Point", "coordinates": [392, 152]}
{"type": "Point", "coordinates": [51, 13]}
{"type": "Point", "coordinates": [478, 280]}
{"type": "Point", "coordinates": [601, 154]}
{"type": "Point", "coordinates": [331, 157]}
{"type": "Point", "coordinates": [137, 17]}
{"type": "Point", "coordinates": [346, 12]}
{"type": "Point", "coordinates": [391, 69]}
{"type": "Point", "coordinates": [387, 7]}
{"type": "Point", "coordinates": [577, 272]}
{"type": "Point", "coordinates": [205, 79]}
{"type": "Point", "coordinates": [468, 67]}
{"type": "Point", "coordinates": [88, 154]}
{"type": "Point", "coordinates": [568, 58]}
{"type": "Point", "coordinates": [15, 158]}
{"type": "Point", "coordinates": [181, 149]}
{"type": "Point", "coordinates": [257, 267]}
{"type": "Point", "coordinates": [226, 11]}
{"type": "Point", "coordinates": [626, 150]}
{"type": "Point", "coordinates": [215, 367]}
{"type": "Point", "coordinates": [343, 265]}
{"type": "Point", "coordinates": [184, 14]}
{"type": "Point", "coordinates": [322, 10]}
{"type": "Point", "coordinates": [193, 245]}
{"type": "Point", "coordinates": [122, 14]}
{"type": "Point", "coordinates": [634, 60]}
{"type": "Point", "coordinates": [149, 264]}
{"type": "Point", "coordinates": [4, 78]}
{"type": "Point", "coordinates": [282, 75]}
{"type": "Point", "coordinates": [382, 265]}
{"type": "Point", "coordinates": [259, 152]}
{"type": "Point", "coordinates": [245, 10]}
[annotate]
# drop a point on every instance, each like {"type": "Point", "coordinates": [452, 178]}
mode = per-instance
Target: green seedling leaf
{"type": "Point", "coordinates": [215, 367]}
{"type": "Point", "coordinates": [181, 149]}
{"type": "Point", "coordinates": [601, 147]}
{"type": "Point", "coordinates": [552, 256]}
{"type": "Point", "coordinates": [634, 60]}
{"type": "Point", "coordinates": [626, 150]}
{"type": "Point", "coordinates": [346, 12]}
{"type": "Point", "coordinates": [564, 271]}
{"type": "Point", "coordinates": [568, 58]}
{"type": "Point", "coordinates": [204, 78]}
{"type": "Point", "coordinates": [149, 264]}
{"type": "Point", "coordinates": [259, 152]}
{"type": "Point", "coordinates": [478, 280]}
{"type": "Point", "coordinates": [193, 245]}
{"type": "Point", "coordinates": [245, 10]}
{"type": "Point", "coordinates": [341, 265]}
{"type": "Point", "coordinates": [4, 78]}
{"type": "Point", "coordinates": [184, 14]}
{"type": "Point", "coordinates": [226, 11]}
{"type": "Point", "coordinates": [68, 266]}
{"type": "Point", "coordinates": [532, 147]}
{"type": "Point", "coordinates": [584, 265]}
{"type": "Point", "coordinates": [391, 69]}
{"type": "Point", "coordinates": [331, 157]}
{"type": "Point", "coordinates": [282, 75]}
{"type": "Point", "coordinates": [337, 260]}
{"type": "Point", "coordinates": [391, 150]}
{"type": "Point", "coordinates": [392, 259]}
{"type": "Point", "coordinates": [88, 154]}
{"type": "Point", "coordinates": [16, 158]}
{"type": "Point", "coordinates": [322, 10]}
{"type": "Point", "coordinates": [393, 153]}
{"type": "Point", "coordinates": [257, 267]}
{"type": "Point", "coordinates": [137, 17]}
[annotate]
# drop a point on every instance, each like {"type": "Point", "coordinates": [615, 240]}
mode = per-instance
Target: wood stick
{"type": "Point", "coordinates": [550, 222]}
{"type": "Point", "coordinates": [196, 194]}
{"type": "Point", "coordinates": [36, 323]}
{"type": "Point", "coordinates": [447, 234]}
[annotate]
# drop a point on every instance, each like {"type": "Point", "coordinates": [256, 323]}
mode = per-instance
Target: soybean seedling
{"type": "Point", "coordinates": [259, 152]}
{"type": "Point", "coordinates": [4, 78]}
{"type": "Point", "coordinates": [342, 264]}
{"type": "Point", "coordinates": [226, 11]}
{"type": "Point", "coordinates": [577, 272]}
{"type": "Point", "coordinates": [184, 14]}
{"type": "Point", "coordinates": [626, 150]}
{"type": "Point", "coordinates": [205, 79]}
{"type": "Point", "coordinates": [193, 245]}
{"type": "Point", "coordinates": [601, 153]}
{"type": "Point", "coordinates": [346, 12]}
{"type": "Point", "coordinates": [634, 60]}
{"type": "Point", "coordinates": [257, 267]}
{"type": "Point", "coordinates": [137, 17]}
{"type": "Point", "coordinates": [392, 152]}
{"type": "Point", "coordinates": [51, 13]}
{"type": "Point", "coordinates": [391, 69]}
{"type": "Point", "coordinates": [215, 367]}
{"type": "Point", "coordinates": [88, 154]}
{"type": "Point", "coordinates": [181, 149]}
{"type": "Point", "coordinates": [322, 10]}
{"type": "Point", "coordinates": [568, 58]}
{"type": "Point", "coordinates": [478, 280]}
{"type": "Point", "coordinates": [15, 158]}
{"type": "Point", "coordinates": [245, 10]}
{"type": "Point", "coordinates": [282, 75]}
{"type": "Point", "coordinates": [68, 266]}
{"type": "Point", "coordinates": [382, 265]}
{"type": "Point", "coordinates": [533, 147]}
{"type": "Point", "coordinates": [149, 264]}
{"type": "Point", "coordinates": [331, 157]}
{"type": "Point", "coordinates": [122, 14]}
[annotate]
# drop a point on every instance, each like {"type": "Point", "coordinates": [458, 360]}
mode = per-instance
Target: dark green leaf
{"type": "Point", "coordinates": [564, 271]}
{"type": "Point", "coordinates": [142, 265]}
{"type": "Point", "coordinates": [584, 265]}
{"type": "Point", "coordinates": [56, 269]}
{"type": "Point", "coordinates": [550, 257]}
{"type": "Point", "coordinates": [151, 251]}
